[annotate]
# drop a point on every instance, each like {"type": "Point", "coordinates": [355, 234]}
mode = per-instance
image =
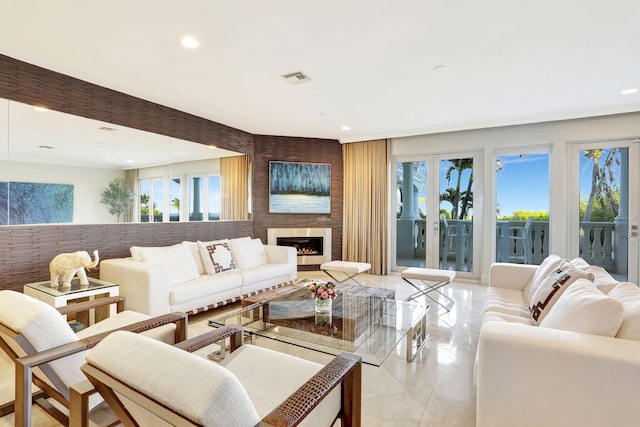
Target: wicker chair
{"type": "Point", "coordinates": [48, 354]}
{"type": "Point", "coordinates": [150, 383]}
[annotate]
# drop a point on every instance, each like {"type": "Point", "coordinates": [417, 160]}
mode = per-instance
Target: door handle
{"type": "Point", "coordinates": [633, 234]}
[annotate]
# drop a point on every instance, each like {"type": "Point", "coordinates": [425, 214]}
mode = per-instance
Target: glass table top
{"type": "Point", "coordinates": [74, 288]}
{"type": "Point", "coordinates": [369, 326]}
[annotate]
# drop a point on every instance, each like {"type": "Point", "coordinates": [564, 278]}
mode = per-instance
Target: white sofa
{"type": "Point", "coordinates": [182, 277]}
{"type": "Point", "coordinates": [579, 367]}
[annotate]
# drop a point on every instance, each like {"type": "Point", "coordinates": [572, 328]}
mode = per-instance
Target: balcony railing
{"type": "Point", "coordinates": [597, 242]}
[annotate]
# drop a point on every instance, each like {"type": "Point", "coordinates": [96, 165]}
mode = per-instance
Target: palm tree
{"type": "Point", "coordinates": [459, 165]}
{"type": "Point", "coordinates": [603, 180]}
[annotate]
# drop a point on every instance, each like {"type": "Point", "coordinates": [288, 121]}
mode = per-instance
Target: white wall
{"type": "Point", "coordinates": [557, 134]}
{"type": "Point", "coordinates": [88, 185]}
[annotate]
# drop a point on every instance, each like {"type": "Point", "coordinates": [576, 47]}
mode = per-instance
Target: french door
{"type": "Point", "coordinates": [435, 200]}
{"type": "Point", "coordinates": [603, 226]}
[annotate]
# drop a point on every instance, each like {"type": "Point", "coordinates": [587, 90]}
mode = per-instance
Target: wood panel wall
{"type": "Point", "coordinates": [26, 251]}
{"type": "Point", "coordinates": [292, 149]}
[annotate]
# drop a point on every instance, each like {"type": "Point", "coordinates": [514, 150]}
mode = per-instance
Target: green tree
{"type": "Point", "coordinates": [462, 201]}
{"type": "Point", "coordinates": [118, 197]}
{"type": "Point", "coordinates": [603, 181]}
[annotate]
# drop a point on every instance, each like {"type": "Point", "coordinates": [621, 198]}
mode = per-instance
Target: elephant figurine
{"type": "Point", "coordinates": [66, 266]}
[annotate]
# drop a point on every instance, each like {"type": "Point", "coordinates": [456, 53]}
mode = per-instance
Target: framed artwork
{"type": "Point", "coordinates": [296, 187]}
{"type": "Point", "coordinates": [35, 203]}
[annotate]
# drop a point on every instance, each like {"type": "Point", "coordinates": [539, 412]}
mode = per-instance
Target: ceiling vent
{"type": "Point", "coordinates": [107, 129]}
{"type": "Point", "coordinates": [297, 77]}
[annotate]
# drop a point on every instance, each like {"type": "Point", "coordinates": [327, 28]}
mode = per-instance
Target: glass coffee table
{"type": "Point", "coordinates": [368, 325]}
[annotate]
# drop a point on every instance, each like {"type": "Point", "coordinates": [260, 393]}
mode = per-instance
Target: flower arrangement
{"type": "Point", "coordinates": [323, 290]}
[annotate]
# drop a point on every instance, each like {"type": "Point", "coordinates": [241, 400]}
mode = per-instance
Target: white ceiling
{"type": "Point", "coordinates": [373, 64]}
{"type": "Point", "coordinates": [53, 137]}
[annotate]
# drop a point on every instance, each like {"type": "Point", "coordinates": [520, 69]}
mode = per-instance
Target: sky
{"type": "Point", "coordinates": [523, 183]}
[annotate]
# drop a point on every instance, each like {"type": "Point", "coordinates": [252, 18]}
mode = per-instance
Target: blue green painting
{"type": "Point", "coordinates": [35, 203]}
{"type": "Point", "coordinates": [299, 187]}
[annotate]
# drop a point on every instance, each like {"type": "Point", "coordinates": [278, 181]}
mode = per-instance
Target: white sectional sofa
{"type": "Point", "coordinates": [578, 364]}
{"type": "Point", "coordinates": [197, 276]}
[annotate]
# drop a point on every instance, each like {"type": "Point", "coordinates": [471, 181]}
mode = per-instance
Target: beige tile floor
{"type": "Point", "coordinates": [435, 390]}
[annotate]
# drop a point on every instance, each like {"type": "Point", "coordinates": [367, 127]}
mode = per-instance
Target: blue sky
{"type": "Point", "coordinates": [523, 183]}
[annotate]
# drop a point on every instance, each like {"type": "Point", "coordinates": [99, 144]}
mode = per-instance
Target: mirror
{"type": "Point", "coordinates": [60, 168]}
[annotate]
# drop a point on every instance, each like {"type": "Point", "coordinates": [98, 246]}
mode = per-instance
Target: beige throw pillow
{"type": "Point", "coordinates": [216, 256]}
{"type": "Point", "coordinates": [584, 308]}
{"type": "Point", "coordinates": [549, 264]}
{"type": "Point", "coordinates": [248, 253]}
{"type": "Point", "coordinates": [552, 288]}
{"type": "Point", "coordinates": [629, 295]}
{"type": "Point", "coordinates": [177, 260]}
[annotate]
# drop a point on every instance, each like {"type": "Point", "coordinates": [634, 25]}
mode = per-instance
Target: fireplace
{"type": "Point", "coordinates": [313, 245]}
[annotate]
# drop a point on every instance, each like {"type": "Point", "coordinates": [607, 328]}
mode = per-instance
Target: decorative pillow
{"type": "Point", "coordinates": [176, 259]}
{"type": "Point", "coordinates": [216, 257]}
{"type": "Point", "coordinates": [549, 264]}
{"type": "Point", "coordinates": [136, 250]}
{"type": "Point", "coordinates": [195, 253]}
{"type": "Point", "coordinates": [602, 279]}
{"type": "Point", "coordinates": [248, 253]}
{"type": "Point", "coordinates": [584, 308]}
{"type": "Point", "coordinates": [552, 287]}
{"type": "Point", "coordinates": [629, 295]}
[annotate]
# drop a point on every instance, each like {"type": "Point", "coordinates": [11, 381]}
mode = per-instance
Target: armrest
{"type": "Point", "coordinates": [213, 336]}
{"type": "Point", "coordinates": [531, 376]}
{"type": "Point", "coordinates": [24, 365]}
{"type": "Point", "coordinates": [345, 369]}
{"type": "Point", "coordinates": [281, 254]}
{"type": "Point", "coordinates": [87, 305]}
{"type": "Point", "coordinates": [146, 286]}
{"type": "Point", "coordinates": [510, 276]}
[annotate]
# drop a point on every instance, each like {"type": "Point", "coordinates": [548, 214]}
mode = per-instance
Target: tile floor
{"type": "Point", "coordinates": [435, 390]}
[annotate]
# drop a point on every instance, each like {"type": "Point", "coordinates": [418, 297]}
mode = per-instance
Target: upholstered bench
{"type": "Point", "coordinates": [348, 268]}
{"type": "Point", "coordinates": [429, 280]}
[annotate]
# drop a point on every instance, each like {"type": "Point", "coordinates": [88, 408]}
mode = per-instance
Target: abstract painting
{"type": "Point", "coordinates": [299, 187]}
{"type": "Point", "coordinates": [35, 203]}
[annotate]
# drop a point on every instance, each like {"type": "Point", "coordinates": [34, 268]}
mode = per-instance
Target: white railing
{"type": "Point", "coordinates": [597, 239]}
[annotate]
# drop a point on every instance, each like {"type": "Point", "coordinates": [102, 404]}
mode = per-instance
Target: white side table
{"type": "Point", "coordinates": [60, 296]}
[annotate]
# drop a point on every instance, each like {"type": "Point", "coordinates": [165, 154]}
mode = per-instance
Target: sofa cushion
{"type": "Point", "coordinates": [205, 285]}
{"type": "Point", "coordinates": [549, 264]}
{"type": "Point", "coordinates": [217, 256]}
{"type": "Point", "coordinates": [195, 253]}
{"type": "Point", "coordinates": [507, 301]}
{"type": "Point", "coordinates": [176, 260]}
{"type": "Point", "coordinates": [629, 295]}
{"type": "Point", "coordinates": [260, 369]}
{"type": "Point", "coordinates": [584, 308]}
{"type": "Point", "coordinates": [263, 272]}
{"type": "Point", "coordinates": [248, 253]}
{"type": "Point", "coordinates": [552, 288]}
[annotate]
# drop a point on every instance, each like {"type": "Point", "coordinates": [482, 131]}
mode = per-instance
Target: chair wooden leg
{"type": "Point", "coordinates": [23, 395]}
{"type": "Point", "coordinates": [352, 398]}
{"type": "Point", "coordinates": [79, 404]}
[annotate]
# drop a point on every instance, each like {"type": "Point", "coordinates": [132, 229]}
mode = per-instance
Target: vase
{"type": "Point", "coordinates": [323, 305]}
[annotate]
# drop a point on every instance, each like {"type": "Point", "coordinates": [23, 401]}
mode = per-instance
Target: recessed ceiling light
{"type": "Point", "coordinates": [629, 91]}
{"type": "Point", "coordinates": [190, 42]}
{"type": "Point", "coordinates": [346, 128]}
{"type": "Point", "coordinates": [129, 161]}
{"type": "Point", "coordinates": [439, 67]}
{"type": "Point", "coordinates": [212, 147]}
{"type": "Point", "coordinates": [40, 108]}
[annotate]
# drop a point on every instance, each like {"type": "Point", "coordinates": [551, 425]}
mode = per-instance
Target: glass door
{"type": "Point", "coordinates": [605, 220]}
{"type": "Point", "coordinates": [435, 231]}
{"type": "Point", "coordinates": [411, 208]}
{"type": "Point", "coordinates": [455, 214]}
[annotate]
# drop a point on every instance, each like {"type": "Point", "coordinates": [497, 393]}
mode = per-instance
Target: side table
{"type": "Point", "coordinates": [61, 296]}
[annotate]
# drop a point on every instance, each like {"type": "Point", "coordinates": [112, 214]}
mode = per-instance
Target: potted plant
{"type": "Point", "coordinates": [118, 197]}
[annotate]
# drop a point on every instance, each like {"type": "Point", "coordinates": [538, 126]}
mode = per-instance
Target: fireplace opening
{"type": "Point", "coordinates": [304, 245]}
